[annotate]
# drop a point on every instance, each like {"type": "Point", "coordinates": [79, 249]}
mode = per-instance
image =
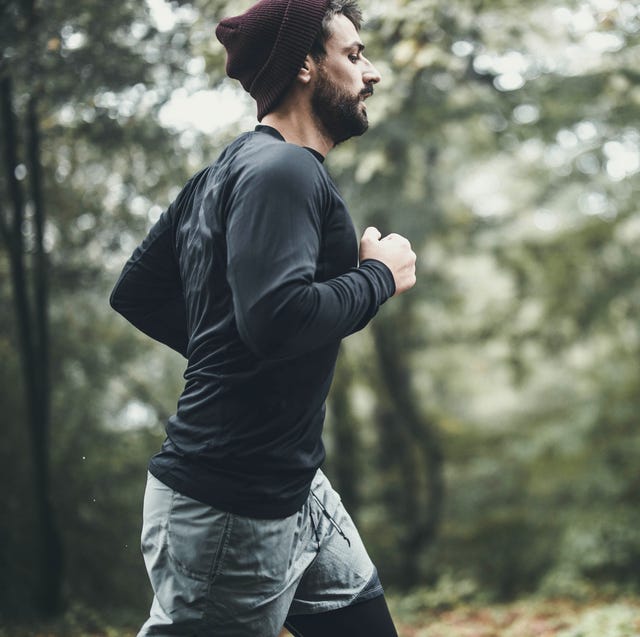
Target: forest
{"type": "Point", "coordinates": [482, 430]}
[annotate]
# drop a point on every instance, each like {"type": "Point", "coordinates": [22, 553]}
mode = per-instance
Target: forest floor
{"type": "Point", "coordinates": [525, 618]}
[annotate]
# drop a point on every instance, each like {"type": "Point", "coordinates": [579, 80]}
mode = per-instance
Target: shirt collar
{"type": "Point", "coordinates": [269, 130]}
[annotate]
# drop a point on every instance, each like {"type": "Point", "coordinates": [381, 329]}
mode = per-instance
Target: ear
{"type": "Point", "coordinates": [306, 70]}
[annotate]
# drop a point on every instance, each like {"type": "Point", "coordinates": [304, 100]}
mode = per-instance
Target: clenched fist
{"type": "Point", "coordinates": [395, 252]}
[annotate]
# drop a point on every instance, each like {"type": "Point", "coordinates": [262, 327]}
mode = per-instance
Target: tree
{"type": "Point", "coordinates": [46, 50]}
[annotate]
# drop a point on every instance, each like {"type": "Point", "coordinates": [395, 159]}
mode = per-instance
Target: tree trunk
{"type": "Point", "coordinates": [344, 462]}
{"type": "Point", "coordinates": [33, 339]}
{"type": "Point", "coordinates": [50, 594]}
{"type": "Point", "coordinates": [413, 441]}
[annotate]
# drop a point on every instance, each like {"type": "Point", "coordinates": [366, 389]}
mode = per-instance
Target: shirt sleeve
{"type": "Point", "coordinates": [274, 235]}
{"type": "Point", "coordinates": [148, 292]}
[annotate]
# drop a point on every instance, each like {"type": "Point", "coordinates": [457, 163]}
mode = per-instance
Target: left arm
{"type": "Point", "coordinates": [148, 292]}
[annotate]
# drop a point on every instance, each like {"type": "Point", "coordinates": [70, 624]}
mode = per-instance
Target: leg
{"type": "Point", "coordinates": [366, 619]}
{"type": "Point", "coordinates": [340, 593]}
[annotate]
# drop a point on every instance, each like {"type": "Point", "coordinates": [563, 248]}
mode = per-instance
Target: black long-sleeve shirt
{"type": "Point", "coordinates": [252, 274]}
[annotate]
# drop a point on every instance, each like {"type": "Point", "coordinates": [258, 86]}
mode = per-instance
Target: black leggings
{"type": "Point", "coordinates": [365, 619]}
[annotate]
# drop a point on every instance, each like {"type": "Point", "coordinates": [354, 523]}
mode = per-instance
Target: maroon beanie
{"type": "Point", "coordinates": [267, 44]}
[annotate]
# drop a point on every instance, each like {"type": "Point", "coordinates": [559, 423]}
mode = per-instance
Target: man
{"type": "Point", "coordinates": [253, 274]}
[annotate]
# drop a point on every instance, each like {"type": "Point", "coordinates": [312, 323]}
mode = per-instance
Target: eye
{"type": "Point", "coordinates": [354, 57]}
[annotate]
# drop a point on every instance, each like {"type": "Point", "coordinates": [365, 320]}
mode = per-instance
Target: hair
{"type": "Point", "coordinates": [349, 9]}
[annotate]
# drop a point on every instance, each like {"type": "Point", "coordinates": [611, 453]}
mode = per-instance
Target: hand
{"type": "Point", "coordinates": [395, 252]}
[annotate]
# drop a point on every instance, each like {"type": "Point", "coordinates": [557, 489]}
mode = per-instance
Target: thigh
{"type": "Point", "coordinates": [365, 619]}
{"type": "Point", "coordinates": [183, 543]}
{"type": "Point", "coordinates": [342, 571]}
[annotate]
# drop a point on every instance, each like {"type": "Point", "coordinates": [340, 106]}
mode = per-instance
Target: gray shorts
{"type": "Point", "coordinates": [219, 574]}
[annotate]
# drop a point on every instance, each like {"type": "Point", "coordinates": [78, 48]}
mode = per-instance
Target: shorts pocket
{"type": "Point", "coordinates": [197, 537]}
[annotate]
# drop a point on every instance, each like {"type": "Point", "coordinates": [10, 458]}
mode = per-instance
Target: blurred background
{"type": "Point", "coordinates": [483, 430]}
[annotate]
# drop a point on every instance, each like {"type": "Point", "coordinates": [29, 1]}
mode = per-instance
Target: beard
{"type": "Point", "coordinates": [338, 112]}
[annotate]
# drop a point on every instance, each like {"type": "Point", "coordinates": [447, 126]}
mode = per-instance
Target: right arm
{"type": "Point", "coordinates": [274, 237]}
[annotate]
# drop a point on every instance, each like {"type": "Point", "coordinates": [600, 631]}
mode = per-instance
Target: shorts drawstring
{"type": "Point", "coordinates": [315, 529]}
{"type": "Point", "coordinates": [328, 516]}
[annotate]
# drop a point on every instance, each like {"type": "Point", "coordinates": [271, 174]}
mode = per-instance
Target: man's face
{"type": "Point", "coordinates": [344, 79]}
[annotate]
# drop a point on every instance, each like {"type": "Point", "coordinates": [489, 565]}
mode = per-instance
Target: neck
{"type": "Point", "coordinates": [299, 127]}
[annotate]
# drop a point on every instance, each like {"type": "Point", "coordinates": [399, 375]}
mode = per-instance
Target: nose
{"type": "Point", "coordinates": [371, 74]}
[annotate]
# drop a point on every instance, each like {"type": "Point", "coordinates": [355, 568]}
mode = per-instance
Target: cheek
{"type": "Point", "coordinates": [347, 74]}
{"type": "Point", "coordinates": [350, 81]}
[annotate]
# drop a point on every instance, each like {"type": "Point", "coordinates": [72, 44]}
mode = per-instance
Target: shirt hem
{"type": "Point", "coordinates": [265, 509]}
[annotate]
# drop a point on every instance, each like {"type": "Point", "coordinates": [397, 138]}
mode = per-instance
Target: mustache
{"type": "Point", "coordinates": [367, 91]}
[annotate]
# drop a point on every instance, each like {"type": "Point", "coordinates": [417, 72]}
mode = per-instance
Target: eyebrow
{"type": "Point", "coordinates": [355, 45]}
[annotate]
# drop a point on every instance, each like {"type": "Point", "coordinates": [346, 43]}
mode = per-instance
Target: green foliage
{"type": "Point", "coordinates": [501, 164]}
{"type": "Point", "coordinates": [448, 592]}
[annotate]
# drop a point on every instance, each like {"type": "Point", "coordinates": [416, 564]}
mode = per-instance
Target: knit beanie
{"type": "Point", "coordinates": [267, 44]}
